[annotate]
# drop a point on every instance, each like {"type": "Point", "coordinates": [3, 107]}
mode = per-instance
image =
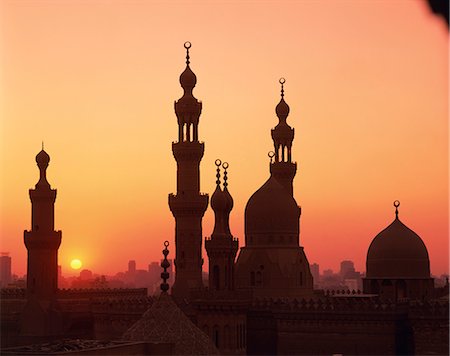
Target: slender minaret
{"type": "Point", "coordinates": [221, 246]}
{"type": "Point", "coordinates": [42, 243]}
{"type": "Point", "coordinates": [188, 205]}
{"type": "Point", "coordinates": [283, 169]}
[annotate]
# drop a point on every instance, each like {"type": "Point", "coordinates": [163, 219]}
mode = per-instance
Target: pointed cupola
{"type": "Point", "coordinates": [282, 134]}
{"type": "Point", "coordinates": [221, 246]}
{"type": "Point", "coordinates": [188, 108]}
{"type": "Point", "coordinates": [222, 204]}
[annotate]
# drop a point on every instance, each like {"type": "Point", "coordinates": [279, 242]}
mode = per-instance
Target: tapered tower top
{"type": "Point", "coordinates": [42, 160]}
{"type": "Point", "coordinates": [282, 134]}
{"type": "Point", "coordinates": [282, 108]}
{"type": "Point", "coordinates": [188, 79]}
{"type": "Point", "coordinates": [188, 108]}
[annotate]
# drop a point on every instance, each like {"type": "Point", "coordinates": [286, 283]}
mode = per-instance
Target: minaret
{"type": "Point", "coordinates": [283, 169]}
{"type": "Point", "coordinates": [42, 243]}
{"type": "Point", "coordinates": [221, 246]}
{"type": "Point", "coordinates": [188, 205]}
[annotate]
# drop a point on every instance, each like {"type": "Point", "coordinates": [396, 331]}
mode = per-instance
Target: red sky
{"type": "Point", "coordinates": [367, 84]}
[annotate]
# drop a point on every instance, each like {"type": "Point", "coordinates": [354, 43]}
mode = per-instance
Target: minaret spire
{"type": "Point", "coordinates": [188, 205]}
{"type": "Point", "coordinates": [221, 246]}
{"type": "Point", "coordinates": [283, 169]}
{"type": "Point", "coordinates": [396, 204]}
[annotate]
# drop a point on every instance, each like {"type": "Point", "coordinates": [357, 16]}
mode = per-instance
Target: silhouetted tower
{"type": "Point", "coordinates": [282, 167]}
{"type": "Point", "coordinates": [42, 242]}
{"type": "Point", "coordinates": [5, 269]}
{"type": "Point", "coordinates": [188, 205]}
{"type": "Point", "coordinates": [40, 316]}
{"type": "Point", "coordinates": [221, 246]}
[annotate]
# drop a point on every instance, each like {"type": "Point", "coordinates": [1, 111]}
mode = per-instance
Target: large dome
{"type": "Point", "coordinates": [397, 252]}
{"type": "Point", "coordinates": [272, 216]}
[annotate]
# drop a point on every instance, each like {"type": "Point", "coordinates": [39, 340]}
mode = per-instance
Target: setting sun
{"type": "Point", "coordinates": [76, 264]}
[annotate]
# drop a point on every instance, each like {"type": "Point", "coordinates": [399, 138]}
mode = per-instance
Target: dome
{"type": "Point", "coordinates": [219, 200]}
{"type": "Point", "coordinates": [397, 252]}
{"type": "Point", "coordinates": [188, 79]}
{"type": "Point", "coordinates": [282, 110]}
{"type": "Point", "coordinates": [42, 159]}
{"type": "Point", "coordinates": [271, 212]}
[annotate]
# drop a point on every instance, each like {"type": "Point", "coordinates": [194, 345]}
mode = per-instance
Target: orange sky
{"type": "Point", "coordinates": [367, 84]}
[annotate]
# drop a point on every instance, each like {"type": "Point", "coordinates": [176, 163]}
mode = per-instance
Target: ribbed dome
{"type": "Point", "coordinates": [271, 210]}
{"type": "Point", "coordinates": [397, 252]}
{"type": "Point", "coordinates": [42, 159]}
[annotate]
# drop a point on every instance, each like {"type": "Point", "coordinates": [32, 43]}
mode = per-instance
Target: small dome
{"type": "Point", "coordinates": [282, 110]}
{"type": "Point", "coordinates": [42, 159]}
{"type": "Point", "coordinates": [397, 252]}
{"type": "Point", "coordinates": [271, 210]}
{"type": "Point", "coordinates": [188, 79]}
{"type": "Point", "coordinates": [219, 200]}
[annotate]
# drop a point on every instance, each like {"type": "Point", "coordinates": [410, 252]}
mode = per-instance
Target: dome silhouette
{"type": "Point", "coordinates": [271, 210]}
{"type": "Point", "coordinates": [188, 79]}
{"type": "Point", "coordinates": [397, 252]}
{"type": "Point", "coordinates": [42, 158]}
{"type": "Point", "coordinates": [282, 109]}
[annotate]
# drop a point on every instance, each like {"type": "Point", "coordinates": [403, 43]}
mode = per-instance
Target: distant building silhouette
{"type": "Point", "coordinates": [347, 267]}
{"type": "Point", "coordinates": [315, 272]}
{"type": "Point", "coordinates": [188, 205]}
{"type": "Point", "coordinates": [132, 266]}
{"type": "Point", "coordinates": [5, 269]}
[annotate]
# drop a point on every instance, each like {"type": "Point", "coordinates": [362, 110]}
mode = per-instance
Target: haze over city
{"type": "Point", "coordinates": [367, 86]}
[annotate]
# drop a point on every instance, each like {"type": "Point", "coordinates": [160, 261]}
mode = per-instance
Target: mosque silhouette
{"type": "Point", "coordinates": [260, 301]}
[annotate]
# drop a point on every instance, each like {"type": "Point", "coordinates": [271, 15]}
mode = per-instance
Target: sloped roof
{"type": "Point", "coordinates": [164, 322]}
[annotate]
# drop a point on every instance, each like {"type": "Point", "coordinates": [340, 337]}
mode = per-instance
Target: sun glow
{"type": "Point", "coordinates": [76, 264]}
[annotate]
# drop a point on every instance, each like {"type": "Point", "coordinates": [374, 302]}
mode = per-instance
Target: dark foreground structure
{"type": "Point", "coordinates": [260, 301]}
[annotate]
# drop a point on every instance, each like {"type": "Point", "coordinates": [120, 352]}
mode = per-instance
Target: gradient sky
{"type": "Point", "coordinates": [366, 81]}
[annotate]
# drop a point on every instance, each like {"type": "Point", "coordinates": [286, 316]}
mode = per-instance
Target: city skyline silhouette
{"type": "Point", "coordinates": [107, 170]}
{"type": "Point", "coordinates": [332, 160]}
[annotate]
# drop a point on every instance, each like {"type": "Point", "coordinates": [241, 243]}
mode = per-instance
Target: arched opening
{"type": "Point", "coordinates": [401, 289]}
{"type": "Point", "coordinates": [374, 287]}
{"type": "Point", "coordinates": [387, 289]}
{"type": "Point", "coordinates": [216, 335]}
{"type": "Point", "coordinates": [258, 279]}
{"type": "Point", "coordinates": [226, 277]}
{"type": "Point", "coordinates": [226, 337]}
{"type": "Point", "coordinates": [216, 278]}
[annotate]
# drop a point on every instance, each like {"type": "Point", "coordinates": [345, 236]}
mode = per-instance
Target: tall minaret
{"type": "Point", "coordinates": [221, 246]}
{"type": "Point", "coordinates": [188, 205]}
{"type": "Point", "coordinates": [283, 169]}
{"type": "Point", "coordinates": [42, 243]}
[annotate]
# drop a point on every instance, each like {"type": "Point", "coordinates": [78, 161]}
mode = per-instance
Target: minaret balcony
{"type": "Point", "coordinates": [45, 240]}
{"type": "Point", "coordinates": [191, 205]}
{"type": "Point", "coordinates": [188, 151]}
